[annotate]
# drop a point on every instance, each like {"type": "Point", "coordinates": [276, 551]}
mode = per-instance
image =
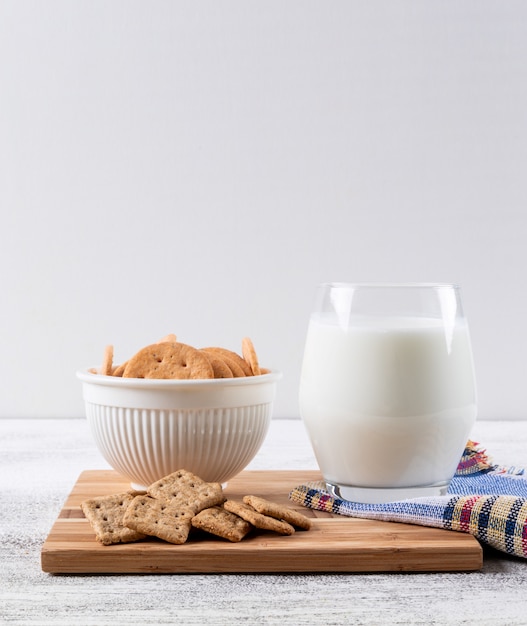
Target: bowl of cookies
{"type": "Point", "coordinates": [172, 406]}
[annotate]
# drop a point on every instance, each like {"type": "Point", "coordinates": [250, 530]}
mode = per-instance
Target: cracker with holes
{"type": "Point", "coordinates": [278, 511]}
{"type": "Point", "coordinates": [170, 337]}
{"type": "Point", "coordinates": [258, 520]}
{"type": "Point", "coordinates": [164, 519]}
{"type": "Point", "coordinates": [220, 367]}
{"type": "Point", "coordinates": [119, 369]}
{"type": "Point", "coordinates": [217, 521]}
{"type": "Point", "coordinates": [107, 361]}
{"type": "Point", "coordinates": [230, 356]}
{"type": "Point", "coordinates": [187, 490]}
{"type": "Point", "coordinates": [169, 359]}
{"type": "Point", "coordinates": [249, 354]}
{"type": "Point", "coordinates": [106, 517]}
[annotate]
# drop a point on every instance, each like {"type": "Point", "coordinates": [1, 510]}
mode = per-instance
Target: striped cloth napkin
{"type": "Point", "coordinates": [485, 500]}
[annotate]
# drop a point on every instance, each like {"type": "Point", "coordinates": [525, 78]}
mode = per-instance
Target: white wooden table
{"type": "Point", "coordinates": [40, 460]}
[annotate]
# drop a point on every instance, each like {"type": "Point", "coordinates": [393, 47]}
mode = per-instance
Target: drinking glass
{"type": "Point", "coordinates": [387, 389]}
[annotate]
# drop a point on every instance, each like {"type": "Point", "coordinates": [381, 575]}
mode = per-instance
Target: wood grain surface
{"type": "Point", "coordinates": [334, 544]}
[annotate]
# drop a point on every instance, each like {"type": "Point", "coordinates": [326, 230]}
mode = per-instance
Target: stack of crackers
{"type": "Point", "coordinates": [169, 358]}
{"type": "Point", "coordinates": [172, 506]}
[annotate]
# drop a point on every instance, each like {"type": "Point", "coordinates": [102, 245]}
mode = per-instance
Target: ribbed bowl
{"type": "Point", "coordinates": [146, 429]}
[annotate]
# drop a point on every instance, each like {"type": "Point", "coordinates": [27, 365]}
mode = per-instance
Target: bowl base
{"type": "Point", "coordinates": [138, 487]}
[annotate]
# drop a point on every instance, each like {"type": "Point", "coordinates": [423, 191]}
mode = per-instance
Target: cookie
{"type": "Point", "coordinates": [258, 520]}
{"type": "Point", "coordinates": [170, 337]}
{"type": "Point", "coordinates": [236, 370]}
{"type": "Point", "coordinates": [119, 370]}
{"type": "Point", "coordinates": [106, 517]}
{"type": "Point", "coordinates": [249, 355]}
{"type": "Point", "coordinates": [278, 511]}
{"type": "Point", "coordinates": [169, 360]}
{"type": "Point", "coordinates": [230, 356]}
{"type": "Point", "coordinates": [219, 366]}
{"type": "Point", "coordinates": [187, 490]}
{"type": "Point", "coordinates": [217, 521]}
{"type": "Point", "coordinates": [107, 361]}
{"type": "Point", "coordinates": [166, 520]}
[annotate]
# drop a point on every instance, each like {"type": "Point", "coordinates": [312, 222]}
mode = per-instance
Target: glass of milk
{"type": "Point", "coordinates": [387, 390]}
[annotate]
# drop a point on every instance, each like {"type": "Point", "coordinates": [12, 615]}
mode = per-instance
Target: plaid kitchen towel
{"type": "Point", "coordinates": [485, 500]}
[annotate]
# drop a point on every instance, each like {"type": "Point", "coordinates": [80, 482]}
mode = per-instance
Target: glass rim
{"type": "Point", "coordinates": [346, 285]}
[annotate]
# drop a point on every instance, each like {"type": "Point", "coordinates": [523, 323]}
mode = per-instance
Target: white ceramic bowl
{"type": "Point", "coordinates": [146, 428]}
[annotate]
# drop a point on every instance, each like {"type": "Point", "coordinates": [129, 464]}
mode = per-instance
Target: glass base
{"type": "Point", "coordinates": [372, 495]}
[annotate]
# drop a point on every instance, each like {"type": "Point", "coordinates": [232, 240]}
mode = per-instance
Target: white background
{"type": "Point", "coordinates": [199, 167]}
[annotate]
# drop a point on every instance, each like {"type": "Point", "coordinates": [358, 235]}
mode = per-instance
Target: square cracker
{"type": "Point", "coordinates": [106, 515]}
{"type": "Point", "coordinates": [266, 507]}
{"type": "Point", "coordinates": [264, 522]}
{"type": "Point", "coordinates": [217, 521]}
{"type": "Point", "coordinates": [159, 518]}
{"type": "Point", "coordinates": [187, 490]}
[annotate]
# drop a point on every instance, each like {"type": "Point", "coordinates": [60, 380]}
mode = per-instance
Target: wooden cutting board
{"type": "Point", "coordinates": [334, 544]}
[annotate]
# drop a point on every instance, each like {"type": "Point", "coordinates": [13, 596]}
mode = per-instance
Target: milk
{"type": "Point", "coordinates": [388, 403]}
